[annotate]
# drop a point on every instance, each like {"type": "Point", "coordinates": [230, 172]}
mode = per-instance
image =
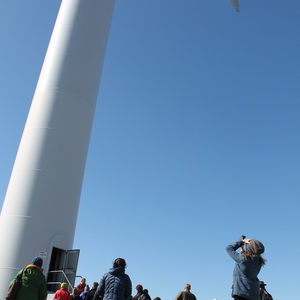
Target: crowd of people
{"type": "Point", "coordinates": [116, 284]}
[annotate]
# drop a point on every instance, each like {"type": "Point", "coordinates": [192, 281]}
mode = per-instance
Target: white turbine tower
{"type": "Point", "coordinates": [41, 205]}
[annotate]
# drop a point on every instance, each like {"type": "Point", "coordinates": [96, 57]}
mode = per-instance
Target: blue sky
{"type": "Point", "coordinates": [195, 138]}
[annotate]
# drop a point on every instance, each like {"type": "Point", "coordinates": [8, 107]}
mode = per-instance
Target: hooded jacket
{"type": "Point", "coordinates": [114, 285]}
{"type": "Point", "coordinates": [245, 281]}
{"type": "Point", "coordinates": [33, 284]}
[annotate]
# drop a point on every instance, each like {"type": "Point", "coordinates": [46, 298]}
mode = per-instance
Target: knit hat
{"type": "Point", "coordinates": [63, 285]}
{"type": "Point", "coordinates": [255, 247]}
{"type": "Point", "coordinates": [38, 261]}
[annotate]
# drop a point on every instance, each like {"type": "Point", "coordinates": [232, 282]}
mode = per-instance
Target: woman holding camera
{"type": "Point", "coordinates": [248, 264]}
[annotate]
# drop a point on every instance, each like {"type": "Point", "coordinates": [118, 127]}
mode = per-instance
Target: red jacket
{"type": "Point", "coordinates": [80, 288]}
{"type": "Point", "coordinates": [62, 294]}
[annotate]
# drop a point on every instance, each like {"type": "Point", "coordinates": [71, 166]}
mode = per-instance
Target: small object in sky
{"type": "Point", "coordinates": [236, 5]}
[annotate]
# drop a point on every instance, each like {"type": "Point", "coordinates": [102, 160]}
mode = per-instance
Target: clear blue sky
{"type": "Point", "coordinates": [195, 138]}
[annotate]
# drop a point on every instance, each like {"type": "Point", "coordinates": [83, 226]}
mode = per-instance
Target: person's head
{"type": "Point", "coordinates": [87, 288]}
{"type": "Point", "coordinates": [187, 287]}
{"type": "Point", "coordinates": [145, 292]}
{"type": "Point", "coordinates": [139, 288]}
{"type": "Point", "coordinates": [119, 263]}
{"type": "Point", "coordinates": [95, 285]}
{"type": "Point", "coordinates": [37, 261]}
{"type": "Point", "coordinates": [63, 285]}
{"type": "Point", "coordinates": [255, 247]}
{"type": "Point", "coordinates": [83, 280]}
{"type": "Point", "coordinates": [262, 285]}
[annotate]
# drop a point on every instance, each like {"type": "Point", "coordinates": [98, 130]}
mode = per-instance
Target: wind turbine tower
{"type": "Point", "coordinates": [46, 179]}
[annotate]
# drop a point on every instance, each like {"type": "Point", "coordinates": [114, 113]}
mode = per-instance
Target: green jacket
{"type": "Point", "coordinates": [33, 284]}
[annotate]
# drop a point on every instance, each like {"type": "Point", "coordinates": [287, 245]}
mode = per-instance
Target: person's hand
{"type": "Point", "coordinates": [247, 241]}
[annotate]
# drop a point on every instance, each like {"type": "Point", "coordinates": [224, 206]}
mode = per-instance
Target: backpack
{"type": "Point", "coordinates": [266, 296]}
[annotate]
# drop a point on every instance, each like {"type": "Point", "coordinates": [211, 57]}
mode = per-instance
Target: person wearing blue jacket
{"type": "Point", "coordinates": [115, 285]}
{"type": "Point", "coordinates": [248, 264]}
